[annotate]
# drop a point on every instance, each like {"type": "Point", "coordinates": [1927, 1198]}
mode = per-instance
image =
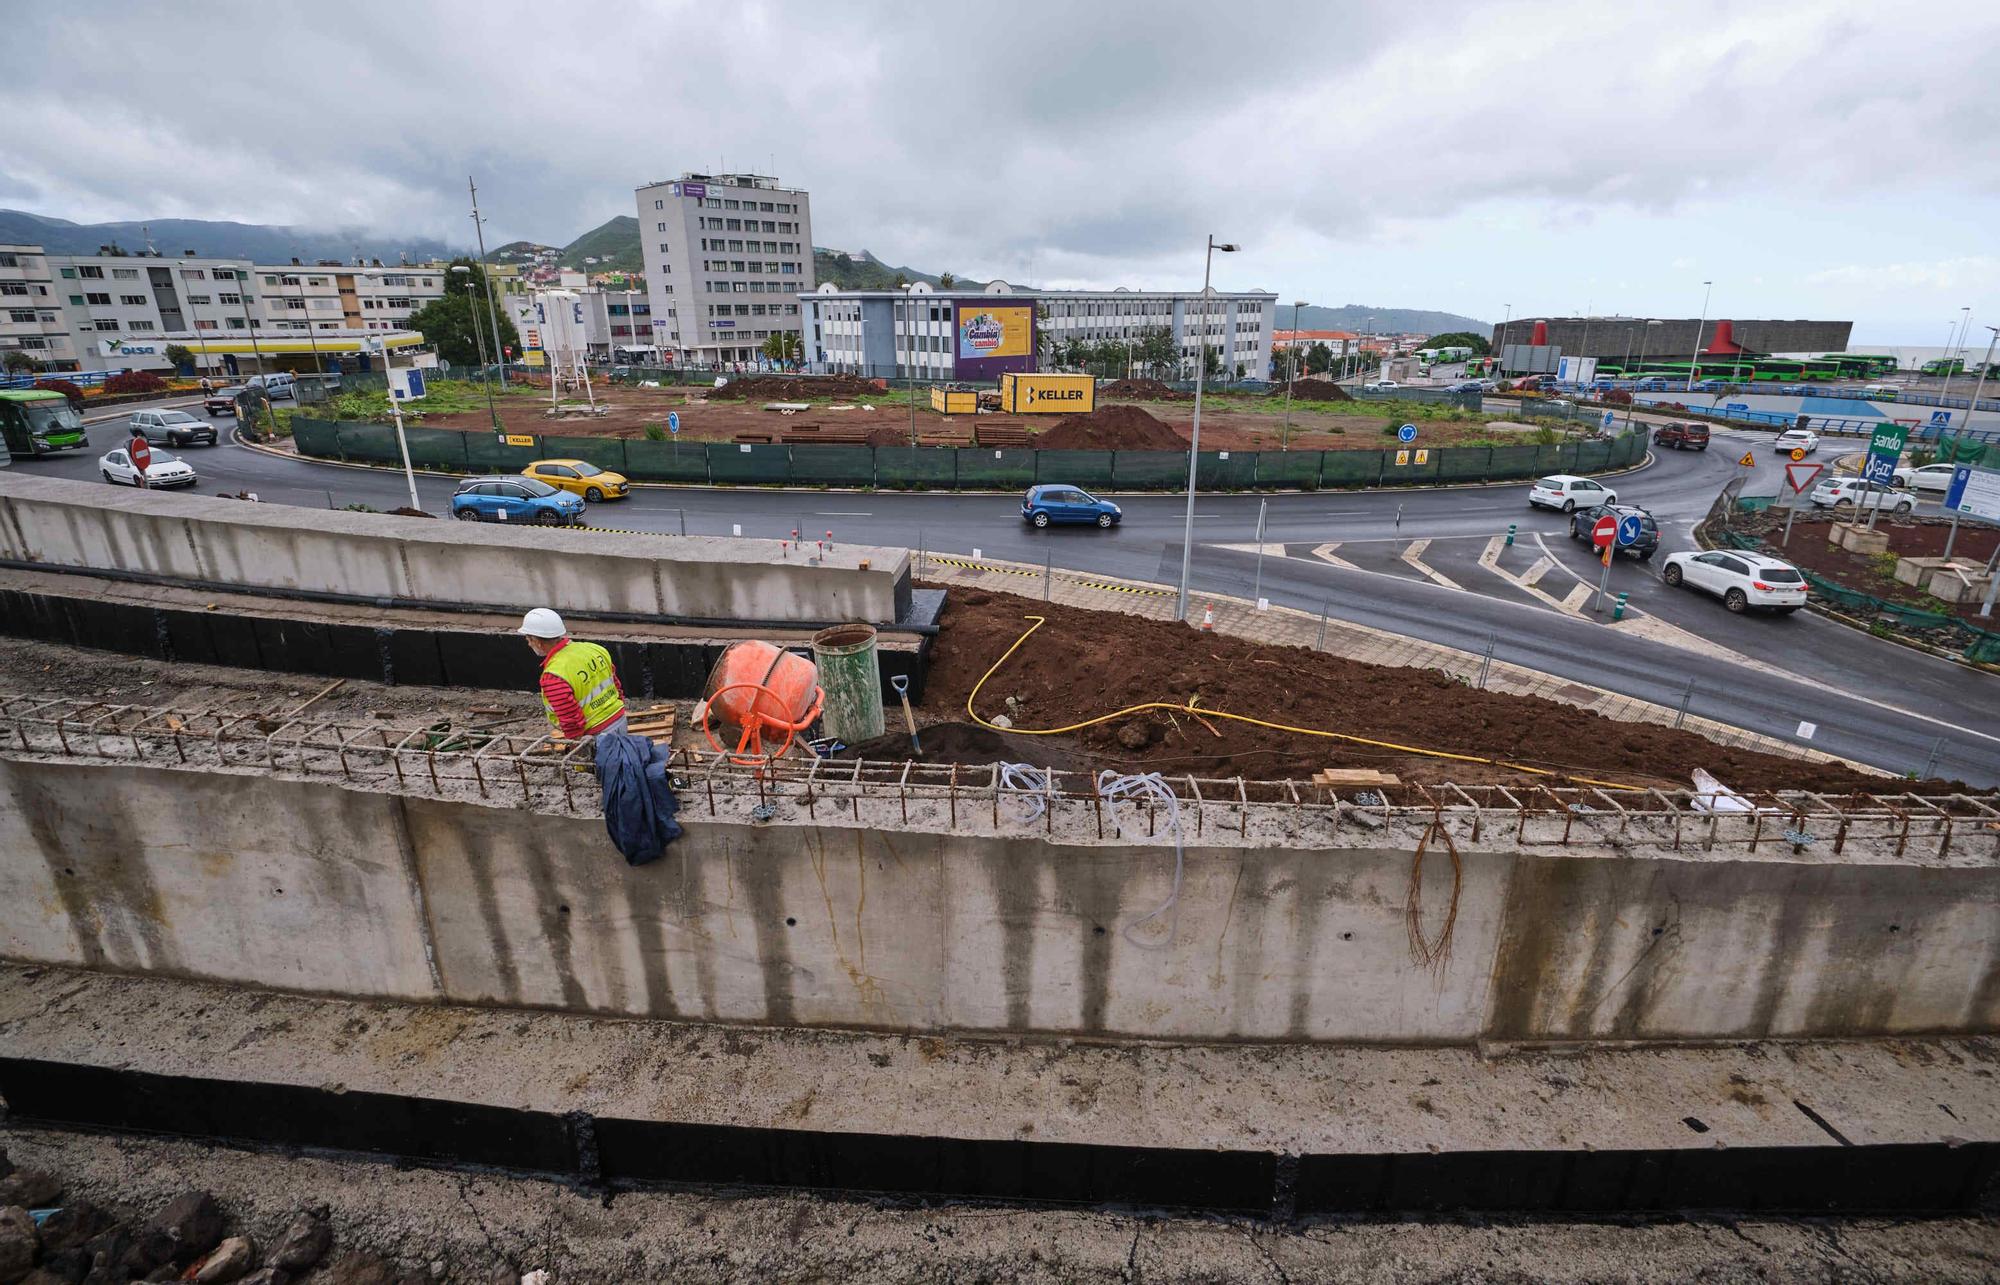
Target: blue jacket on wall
{"type": "Point", "coordinates": [639, 802]}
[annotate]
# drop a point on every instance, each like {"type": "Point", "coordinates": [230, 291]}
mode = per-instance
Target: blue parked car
{"type": "Point", "coordinates": [1043, 505]}
{"type": "Point", "coordinates": [512, 498]}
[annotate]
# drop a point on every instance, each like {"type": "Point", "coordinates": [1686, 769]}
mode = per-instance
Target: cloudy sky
{"type": "Point", "coordinates": [1836, 159]}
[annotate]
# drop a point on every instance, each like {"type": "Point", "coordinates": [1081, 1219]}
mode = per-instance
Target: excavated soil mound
{"type": "Point", "coordinates": [1111, 428]}
{"type": "Point", "coordinates": [1085, 663]}
{"type": "Point", "coordinates": [1313, 390]}
{"type": "Point", "coordinates": [1142, 390]}
{"type": "Point", "coordinates": [783, 388]}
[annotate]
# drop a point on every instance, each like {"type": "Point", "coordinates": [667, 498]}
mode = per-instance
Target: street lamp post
{"type": "Point", "coordinates": [1505, 324]}
{"type": "Point", "coordinates": [1952, 346]}
{"type": "Point", "coordinates": [1291, 377]}
{"type": "Point", "coordinates": [1194, 440]}
{"type": "Point", "coordinates": [1694, 366]}
{"type": "Point", "coordinates": [319, 367]}
{"type": "Point", "coordinates": [1645, 338]}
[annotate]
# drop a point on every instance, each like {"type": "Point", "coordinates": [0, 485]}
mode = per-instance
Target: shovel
{"type": "Point", "coordinates": [901, 682]}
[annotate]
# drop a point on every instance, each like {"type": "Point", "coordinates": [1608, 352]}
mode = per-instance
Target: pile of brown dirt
{"type": "Point", "coordinates": [1142, 390]}
{"type": "Point", "coordinates": [1120, 427]}
{"type": "Point", "coordinates": [1313, 390]}
{"type": "Point", "coordinates": [786, 388]}
{"type": "Point", "coordinates": [1085, 663]}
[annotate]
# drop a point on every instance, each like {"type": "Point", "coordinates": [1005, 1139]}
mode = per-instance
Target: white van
{"type": "Point", "coordinates": [1880, 392]}
{"type": "Point", "coordinates": [279, 385]}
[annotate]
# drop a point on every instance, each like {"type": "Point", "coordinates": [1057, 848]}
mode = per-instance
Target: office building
{"type": "Point", "coordinates": [31, 312]}
{"type": "Point", "coordinates": [726, 258]}
{"type": "Point", "coordinates": [924, 333]}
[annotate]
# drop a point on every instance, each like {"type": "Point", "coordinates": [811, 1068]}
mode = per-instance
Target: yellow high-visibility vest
{"type": "Point", "coordinates": [586, 667]}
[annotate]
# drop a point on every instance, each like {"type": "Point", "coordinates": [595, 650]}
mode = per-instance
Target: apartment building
{"type": "Point", "coordinates": [122, 311]}
{"type": "Point", "coordinates": [31, 313]}
{"type": "Point", "coordinates": [921, 333]}
{"type": "Point", "coordinates": [727, 257]}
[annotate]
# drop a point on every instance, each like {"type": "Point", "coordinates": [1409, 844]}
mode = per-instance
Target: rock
{"type": "Point", "coordinates": [1136, 735]}
{"type": "Point", "coordinates": [232, 1258]}
{"type": "Point", "coordinates": [6, 1165]}
{"type": "Point", "coordinates": [360, 1269]}
{"type": "Point", "coordinates": [191, 1224]}
{"type": "Point", "coordinates": [267, 1276]}
{"type": "Point", "coordinates": [18, 1243]}
{"type": "Point", "coordinates": [66, 1265]}
{"type": "Point", "coordinates": [164, 1272]}
{"type": "Point", "coordinates": [304, 1243]}
{"type": "Point", "coordinates": [43, 1276]}
{"type": "Point", "coordinates": [30, 1189]}
{"type": "Point", "coordinates": [72, 1225]}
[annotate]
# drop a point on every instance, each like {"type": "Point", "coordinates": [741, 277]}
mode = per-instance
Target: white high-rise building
{"type": "Point", "coordinates": [727, 256]}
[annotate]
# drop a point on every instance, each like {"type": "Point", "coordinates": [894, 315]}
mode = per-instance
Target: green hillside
{"type": "Point", "coordinates": [867, 272]}
{"type": "Point", "coordinates": [614, 244]}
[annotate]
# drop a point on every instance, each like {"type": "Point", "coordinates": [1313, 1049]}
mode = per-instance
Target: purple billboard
{"type": "Point", "coordinates": [992, 336]}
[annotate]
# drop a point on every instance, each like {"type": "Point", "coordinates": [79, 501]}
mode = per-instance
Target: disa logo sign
{"type": "Point", "coordinates": [1053, 394]}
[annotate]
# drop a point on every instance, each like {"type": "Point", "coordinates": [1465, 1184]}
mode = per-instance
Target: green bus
{"type": "Point", "coordinates": [1945, 366]}
{"type": "Point", "coordinates": [1862, 365]}
{"type": "Point", "coordinates": [36, 421]}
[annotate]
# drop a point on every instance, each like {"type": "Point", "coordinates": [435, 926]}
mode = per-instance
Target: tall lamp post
{"type": "Point", "coordinates": [1694, 366]}
{"type": "Point", "coordinates": [1965, 324]}
{"type": "Point", "coordinates": [492, 309]}
{"type": "Point", "coordinates": [1645, 338]}
{"type": "Point", "coordinates": [1291, 377]}
{"type": "Point", "coordinates": [1194, 441]}
{"type": "Point", "coordinates": [319, 368]}
{"type": "Point", "coordinates": [1505, 324]}
{"type": "Point", "coordinates": [479, 338]}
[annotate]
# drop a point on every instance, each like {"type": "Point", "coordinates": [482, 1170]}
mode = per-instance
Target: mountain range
{"type": "Point", "coordinates": [614, 245]}
{"type": "Point", "coordinates": [259, 242]}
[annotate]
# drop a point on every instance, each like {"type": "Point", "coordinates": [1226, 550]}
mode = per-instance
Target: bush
{"type": "Point", "coordinates": [64, 387]}
{"type": "Point", "coordinates": [135, 381]}
{"type": "Point", "coordinates": [656, 433]}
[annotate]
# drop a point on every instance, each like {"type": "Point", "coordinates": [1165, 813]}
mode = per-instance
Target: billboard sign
{"type": "Point", "coordinates": [699, 191]}
{"type": "Point", "coordinates": [1974, 492]}
{"type": "Point", "coordinates": [991, 337]}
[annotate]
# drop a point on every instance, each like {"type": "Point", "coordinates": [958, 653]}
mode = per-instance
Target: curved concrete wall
{"type": "Point", "coordinates": [252, 879]}
{"type": "Point", "coordinates": [79, 524]}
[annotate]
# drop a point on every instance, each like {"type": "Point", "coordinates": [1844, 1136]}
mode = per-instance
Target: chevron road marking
{"type": "Point", "coordinates": [1414, 555]}
{"type": "Point", "coordinates": [1325, 553]}
{"type": "Point", "coordinates": [1490, 559]}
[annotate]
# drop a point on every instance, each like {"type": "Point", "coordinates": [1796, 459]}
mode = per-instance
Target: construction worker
{"type": "Point", "coordinates": [580, 691]}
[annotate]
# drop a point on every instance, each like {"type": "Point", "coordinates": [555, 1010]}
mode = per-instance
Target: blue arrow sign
{"type": "Point", "coordinates": [1628, 530]}
{"type": "Point", "coordinates": [1879, 468]}
{"type": "Point", "coordinates": [1608, 417]}
{"type": "Point", "coordinates": [1407, 433]}
{"type": "Point", "coordinates": [673, 421]}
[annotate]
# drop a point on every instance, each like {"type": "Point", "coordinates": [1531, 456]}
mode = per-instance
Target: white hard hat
{"type": "Point", "coordinates": [542, 623]}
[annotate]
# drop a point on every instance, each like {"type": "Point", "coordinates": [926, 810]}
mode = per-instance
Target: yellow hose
{"type": "Point", "coordinates": [1189, 707]}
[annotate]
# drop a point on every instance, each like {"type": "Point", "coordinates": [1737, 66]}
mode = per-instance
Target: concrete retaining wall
{"type": "Point", "coordinates": [78, 524]}
{"type": "Point", "coordinates": [252, 879]}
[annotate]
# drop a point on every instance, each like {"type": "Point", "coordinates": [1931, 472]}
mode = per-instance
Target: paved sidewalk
{"type": "Point", "coordinates": [1284, 626]}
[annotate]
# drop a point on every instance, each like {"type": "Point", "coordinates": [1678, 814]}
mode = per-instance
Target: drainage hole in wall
{"type": "Point", "coordinates": [1895, 928]}
{"type": "Point", "coordinates": [562, 910]}
{"type": "Point", "coordinates": [1097, 929]}
{"type": "Point", "coordinates": [791, 922]}
{"type": "Point", "coordinates": [70, 872]}
{"type": "Point", "coordinates": [1694, 1124]}
{"type": "Point", "coordinates": [1347, 936]}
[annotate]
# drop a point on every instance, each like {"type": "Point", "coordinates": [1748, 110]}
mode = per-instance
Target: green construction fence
{"type": "Point", "coordinates": [965, 468]}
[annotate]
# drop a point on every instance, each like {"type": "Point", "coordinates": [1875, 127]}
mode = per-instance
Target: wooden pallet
{"type": "Point", "coordinates": [656, 723]}
{"type": "Point", "coordinates": [1338, 776]}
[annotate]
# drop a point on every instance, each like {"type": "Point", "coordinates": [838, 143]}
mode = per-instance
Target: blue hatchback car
{"type": "Point", "coordinates": [513, 498]}
{"type": "Point", "coordinates": [1045, 505]}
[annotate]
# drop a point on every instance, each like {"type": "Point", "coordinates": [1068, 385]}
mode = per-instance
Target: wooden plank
{"type": "Point", "coordinates": [1354, 776]}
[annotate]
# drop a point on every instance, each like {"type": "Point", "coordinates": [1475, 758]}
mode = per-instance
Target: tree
{"type": "Point", "coordinates": [784, 347]}
{"type": "Point", "coordinates": [17, 362]}
{"type": "Point", "coordinates": [902, 282]}
{"type": "Point", "coordinates": [180, 355]}
{"type": "Point", "coordinates": [1461, 339]}
{"type": "Point", "coordinates": [1319, 358]}
{"type": "Point", "coordinates": [1154, 349]}
{"type": "Point", "coordinates": [1211, 361]}
{"type": "Point", "coordinates": [447, 323]}
{"type": "Point", "coordinates": [946, 280]}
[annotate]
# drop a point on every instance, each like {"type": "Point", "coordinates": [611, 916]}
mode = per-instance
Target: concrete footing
{"type": "Point", "coordinates": [1274, 1132]}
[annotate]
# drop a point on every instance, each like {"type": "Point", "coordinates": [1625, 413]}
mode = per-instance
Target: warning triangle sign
{"type": "Point", "coordinates": [1801, 475]}
{"type": "Point", "coordinates": [1747, 460]}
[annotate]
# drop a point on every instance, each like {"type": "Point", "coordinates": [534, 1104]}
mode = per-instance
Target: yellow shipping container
{"type": "Point", "coordinates": [1047, 394]}
{"type": "Point", "coordinates": [954, 401]}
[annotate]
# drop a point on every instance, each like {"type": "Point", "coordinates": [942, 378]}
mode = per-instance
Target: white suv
{"type": "Point", "coordinates": [1930, 477]}
{"type": "Point", "coordinates": [1569, 493]}
{"type": "Point", "coordinates": [1741, 580]}
{"type": "Point", "coordinates": [1856, 493]}
{"type": "Point", "coordinates": [1796, 439]}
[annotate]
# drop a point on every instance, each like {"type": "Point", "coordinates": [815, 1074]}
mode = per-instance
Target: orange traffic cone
{"type": "Point", "coordinates": [1208, 617]}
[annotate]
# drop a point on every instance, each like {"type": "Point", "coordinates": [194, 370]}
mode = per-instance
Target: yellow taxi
{"type": "Point", "coordinates": [580, 477]}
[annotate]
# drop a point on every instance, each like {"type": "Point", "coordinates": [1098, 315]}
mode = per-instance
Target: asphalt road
{"type": "Point", "coordinates": [1357, 556]}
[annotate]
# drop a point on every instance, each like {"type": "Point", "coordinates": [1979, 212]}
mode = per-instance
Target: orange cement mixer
{"type": "Point", "coordinates": [760, 694]}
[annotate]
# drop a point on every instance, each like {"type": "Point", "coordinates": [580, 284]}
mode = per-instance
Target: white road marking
{"type": "Point", "coordinates": [1414, 555]}
{"type": "Point", "coordinates": [843, 515]}
{"type": "Point", "coordinates": [1269, 550]}
{"type": "Point", "coordinates": [1541, 568]}
{"type": "Point", "coordinates": [1576, 599]}
{"type": "Point", "coordinates": [1490, 559]}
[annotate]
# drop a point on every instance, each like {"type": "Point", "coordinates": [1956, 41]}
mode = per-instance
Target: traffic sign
{"type": "Point", "coordinates": [1880, 469]}
{"type": "Point", "coordinates": [1407, 433]}
{"type": "Point", "coordinates": [1800, 476]}
{"type": "Point", "coordinates": [1609, 418]}
{"type": "Point", "coordinates": [1604, 531]}
{"type": "Point", "coordinates": [1402, 458]}
{"type": "Point", "coordinates": [1798, 452]}
{"type": "Point", "coordinates": [673, 421]}
{"type": "Point", "coordinates": [141, 452]}
{"type": "Point", "coordinates": [1628, 530]}
{"type": "Point", "coordinates": [1748, 460]}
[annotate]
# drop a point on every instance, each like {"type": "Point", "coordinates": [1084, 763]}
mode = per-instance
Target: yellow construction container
{"type": "Point", "coordinates": [1047, 394]}
{"type": "Point", "coordinates": [954, 401]}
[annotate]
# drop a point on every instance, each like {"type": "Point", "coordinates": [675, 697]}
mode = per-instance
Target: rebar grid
{"type": "Point", "coordinates": [537, 772]}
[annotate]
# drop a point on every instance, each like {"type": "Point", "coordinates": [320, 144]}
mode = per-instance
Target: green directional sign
{"type": "Point", "coordinates": [1889, 439]}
